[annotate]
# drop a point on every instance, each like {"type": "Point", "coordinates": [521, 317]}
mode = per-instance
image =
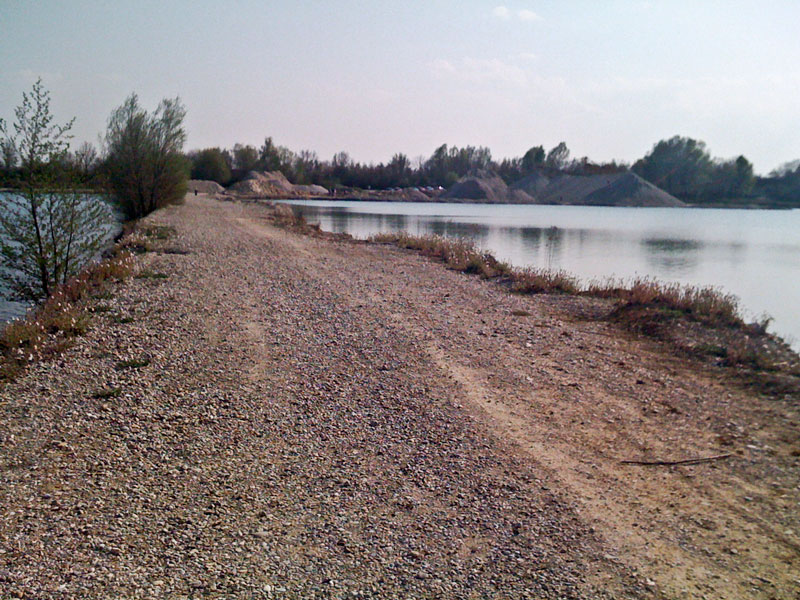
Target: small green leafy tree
{"type": "Point", "coordinates": [211, 164]}
{"type": "Point", "coordinates": [145, 164]}
{"type": "Point", "coordinates": [48, 231]}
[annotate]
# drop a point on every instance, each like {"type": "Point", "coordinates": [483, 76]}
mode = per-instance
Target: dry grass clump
{"type": "Point", "coordinates": [462, 254]}
{"type": "Point", "coordinates": [543, 281]}
{"type": "Point", "coordinates": [139, 239]}
{"type": "Point", "coordinates": [284, 212]}
{"type": "Point", "coordinates": [50, 327]}
{"type": "Point", "coordinates": [458, 254]}
{"type": "Point", "coordinates": [704, 304]}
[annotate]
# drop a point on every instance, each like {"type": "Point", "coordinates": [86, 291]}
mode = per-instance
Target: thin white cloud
{"type": "Point", "coordinates": [481, 71]}
{"type": "Point", "coordinates": [528, 15]}
{"type": "Point", "coordinates": [525, 56]}
{"type": "Point", "coordinates": [501, 12]}
{"type": "Point", "coordinates": [493, 70]}
{"type": "Point", "coordinates": [440, 66]}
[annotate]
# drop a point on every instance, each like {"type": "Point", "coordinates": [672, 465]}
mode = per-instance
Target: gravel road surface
{"type": "Point", "coordinates": [261, 414]}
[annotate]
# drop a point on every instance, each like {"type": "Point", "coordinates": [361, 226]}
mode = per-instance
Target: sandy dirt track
{"type": "Point", "coordinates": [329, 419]}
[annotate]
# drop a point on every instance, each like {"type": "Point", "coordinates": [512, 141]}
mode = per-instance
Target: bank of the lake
{"type": "Point", "coordinates": [261, 413]}
{"type": "Point", "coordinates": [754, 254]}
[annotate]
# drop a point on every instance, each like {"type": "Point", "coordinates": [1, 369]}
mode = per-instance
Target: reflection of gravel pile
{"type": "Point", "coordinates": [618, 189]}
{"type": "Point", "coordinates": [273, 184]}
{"type": "Point", "coordinates": [202, 186]}
{"type": "Point", "coordinates": [487, 187]}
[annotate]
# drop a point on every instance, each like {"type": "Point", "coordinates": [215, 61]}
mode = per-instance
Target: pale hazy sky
{"type": "Point", "coordinates": [375, 77]}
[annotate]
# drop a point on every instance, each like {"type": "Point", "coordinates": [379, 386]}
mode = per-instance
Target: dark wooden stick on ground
{"type": "Point", "coordinates": [686, 461]}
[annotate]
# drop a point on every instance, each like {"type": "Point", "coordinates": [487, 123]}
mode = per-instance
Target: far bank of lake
{"type": "Point", "coordinates": [754, 254]}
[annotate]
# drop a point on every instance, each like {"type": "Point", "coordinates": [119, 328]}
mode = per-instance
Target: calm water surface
{"type": "Point", "coordinates": [754, 254]}
{"type": "Point", "coordinates": [10, 309]}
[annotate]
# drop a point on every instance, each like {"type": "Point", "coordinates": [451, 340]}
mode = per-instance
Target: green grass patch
{"type": "Point", "coordinates": [711, 350]}
{"type": "Point", "coordinates": [158, 232]}
{"type": "Point", "coordinates": [106, 393]}
{"type": "Point", "coordinates": [175, 250]}
{"type": "Point", "coordinates": [148, 274]}
{"type": "Point", "coordinates": [133, 363]}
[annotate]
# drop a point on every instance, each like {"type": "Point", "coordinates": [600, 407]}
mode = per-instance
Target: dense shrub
{"type": "Point", "coordinates": [145, 164]}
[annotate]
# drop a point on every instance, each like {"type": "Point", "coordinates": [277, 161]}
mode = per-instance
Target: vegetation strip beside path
{"type": "Point", "coordinates": [280, 415]}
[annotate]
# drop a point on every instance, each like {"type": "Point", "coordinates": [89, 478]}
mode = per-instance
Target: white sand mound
{"type": "Point", "coordinates": [310, 190]}
{"type": "Point", "coordinates": [412, 195]}
{"type": "Point", "coordinates": [616, 189]}
{"type": "Point", "coordinates": [273, 184]}
{"type": "Point", "coordinates": [203, 186]}
{"type": "Point", "coordinates": [487, 187]}
{"type": "Point", "coordinates": [268, 183]}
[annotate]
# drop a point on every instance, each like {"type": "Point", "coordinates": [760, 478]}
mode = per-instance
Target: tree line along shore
{"type": "Point", "coordinates": [677, 171]}
{"type": "Point", "coordinates": [50, 230]}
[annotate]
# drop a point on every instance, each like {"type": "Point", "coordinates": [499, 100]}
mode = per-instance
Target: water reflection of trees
{"type": "Point", "coordinates": [339, 221]}
{"type": "Point", "coordinates": [476, 231]}
{"type": "Point", "coordinates": [357, 224]}
{"type": "Point", "coordinates": [673, 256]}
{"type": "Point", "coordinates": [545, 242]}
{"type": "Point", "coordinates": [394, 223]}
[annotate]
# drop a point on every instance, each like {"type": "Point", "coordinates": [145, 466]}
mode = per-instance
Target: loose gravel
{"type": "Point", "coordinates": [285, 417]}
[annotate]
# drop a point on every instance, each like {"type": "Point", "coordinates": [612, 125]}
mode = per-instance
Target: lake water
{"type": "Point", "coordinates": [754, 254]}
{"type": "Point", "coordinates": [10, 309]}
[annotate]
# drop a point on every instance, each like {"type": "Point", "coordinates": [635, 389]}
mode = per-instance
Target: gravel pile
{"type": "Point", "coordinates": [617, 189]}
{"type": "Point", "coordinates": [487, 187]}
{"type": "Point", "coordinates": [310, 190]}
{"type": "Point", "coordinates": [203, 186]}
{"type": "Point", "coordinates": [273, 184]}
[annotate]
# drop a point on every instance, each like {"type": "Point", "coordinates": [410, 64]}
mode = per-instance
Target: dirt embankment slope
{"type": "Point", "coordinates": [305, 418]}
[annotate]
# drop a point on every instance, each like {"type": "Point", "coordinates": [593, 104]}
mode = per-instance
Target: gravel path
{"type": "Point", "coordinates": [301, 418]}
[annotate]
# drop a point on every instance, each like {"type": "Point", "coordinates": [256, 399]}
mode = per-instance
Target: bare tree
{"type": "Point", "coordinates": [85, 159]}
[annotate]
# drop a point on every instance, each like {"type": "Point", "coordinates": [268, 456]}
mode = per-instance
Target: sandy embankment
{"type": "Point", "coordinates": [317, 419]}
